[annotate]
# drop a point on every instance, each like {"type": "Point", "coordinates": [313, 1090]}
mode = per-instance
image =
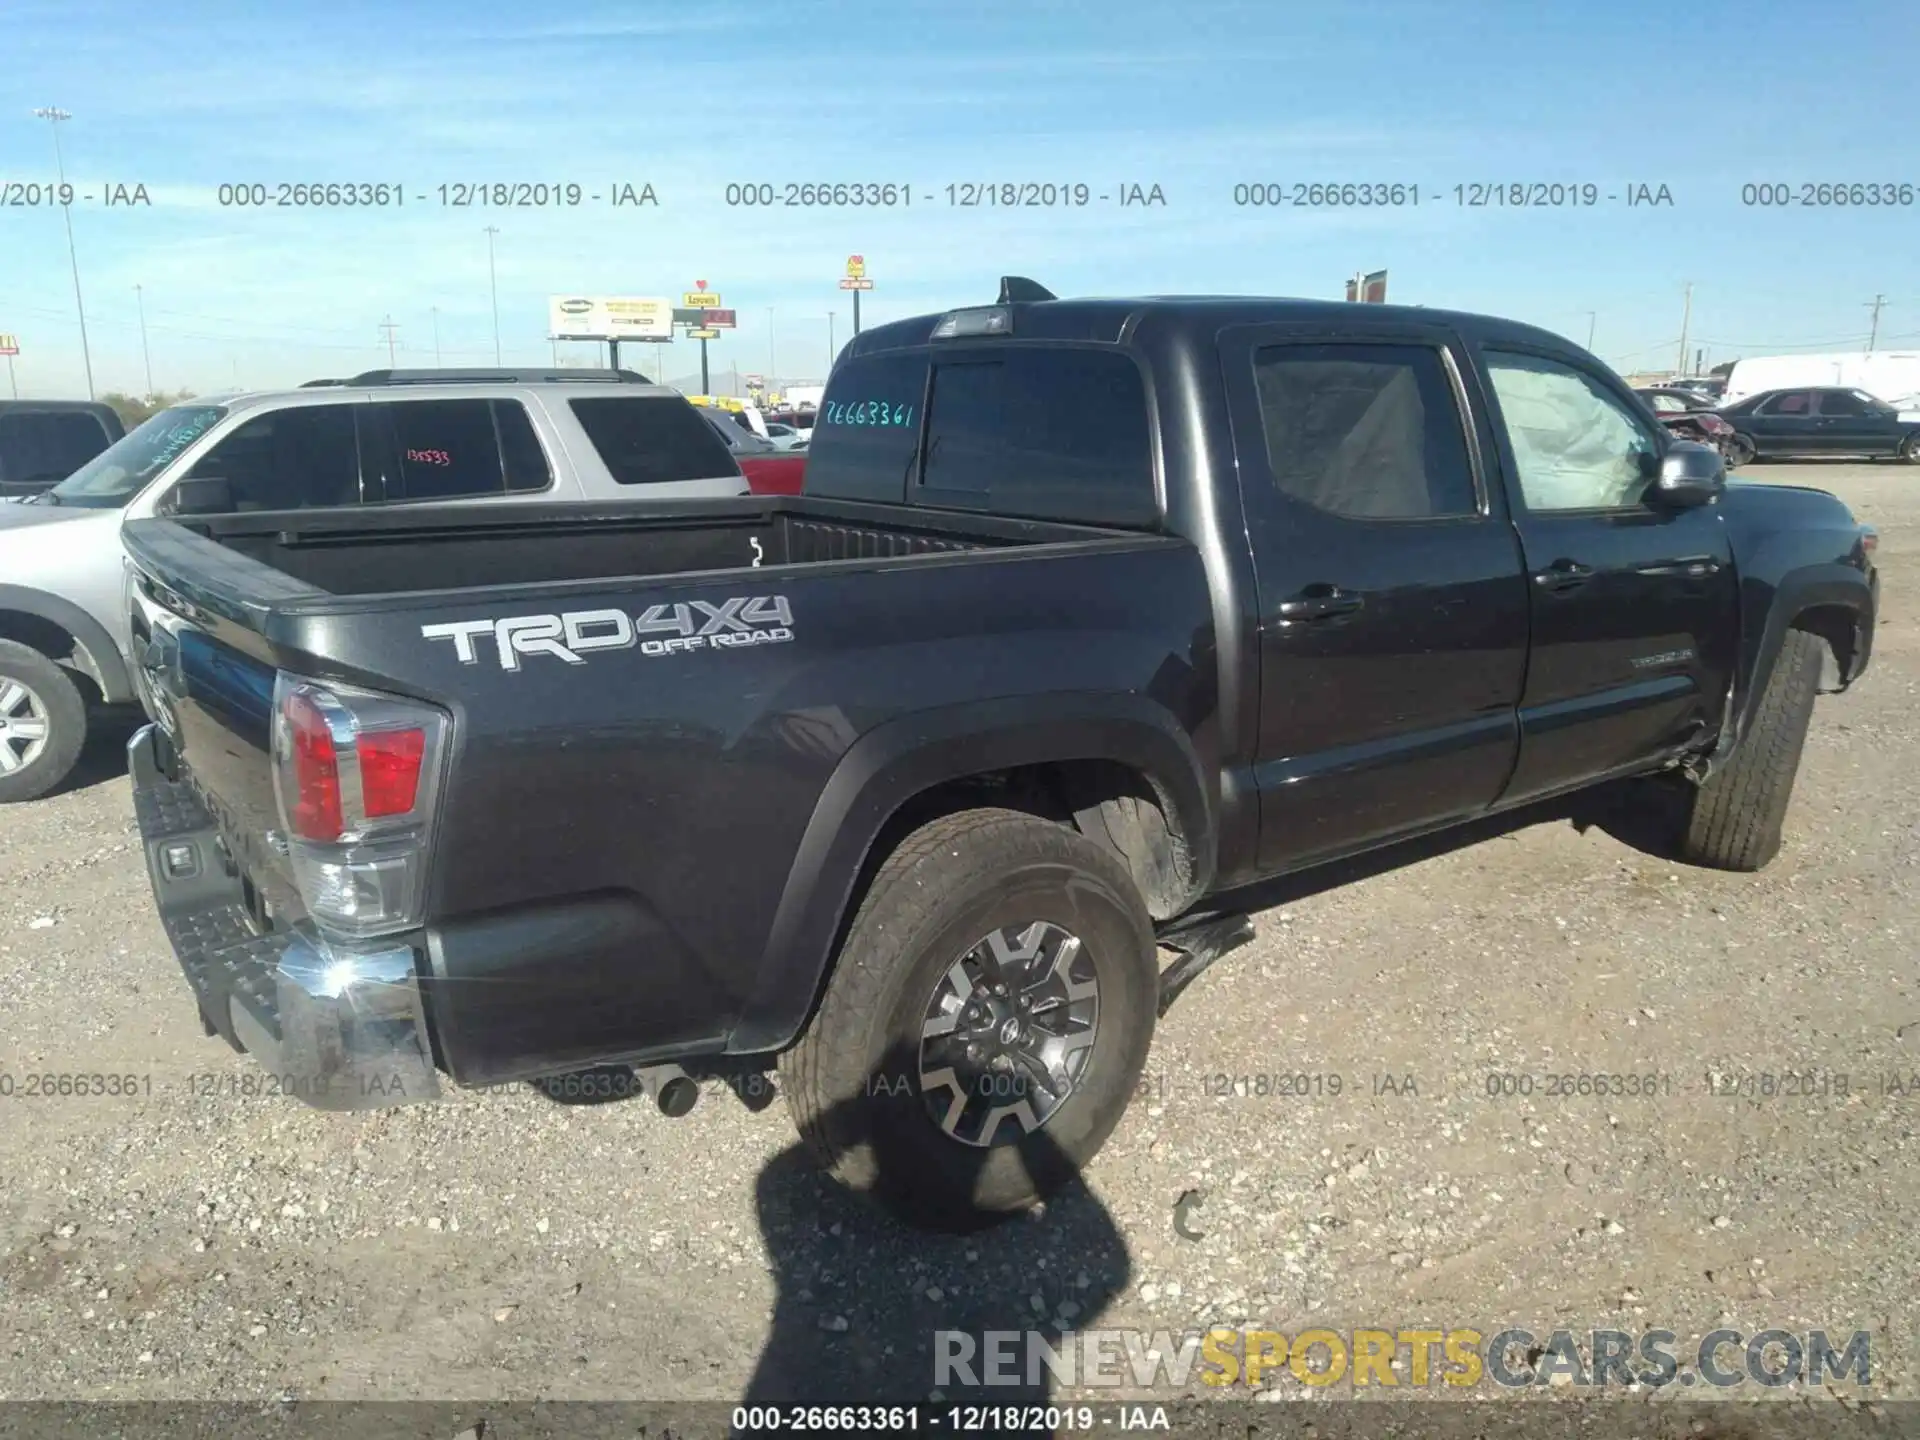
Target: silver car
{"type": "Point", "coordinates": [382, 438]}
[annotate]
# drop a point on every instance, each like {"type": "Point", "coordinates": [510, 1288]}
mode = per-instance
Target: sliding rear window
{"type": "Point", "coordinates": [653, 439]}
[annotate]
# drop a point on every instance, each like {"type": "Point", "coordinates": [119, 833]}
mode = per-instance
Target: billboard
{"type": "Point", "coordinates": [609, 317]}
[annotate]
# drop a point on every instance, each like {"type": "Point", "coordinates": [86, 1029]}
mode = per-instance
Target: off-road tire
{"type": "Point", "coordinates": [1735, 818]}
{"type": "Point", "coordinates": [852, 1081]}
{"type": "Point", "coordinates": [66, 716]}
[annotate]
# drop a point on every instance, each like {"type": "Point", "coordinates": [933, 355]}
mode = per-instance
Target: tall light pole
{"type": "Point", "coordinates": [829, 342]}
{"type": "Point", "coordinates": [53, 115]}
{"type": "Point", "coordinates": [436, 335]}
{"type": "Point", "coordinates": [1686, 317]}
{"type": "Point", "coordinates": [1877, 304]}
{"type": "Point", "coordinates": [773, 358]}
{"type": "Point", "coordinates": [493, 288]}
{"type": "Point", "coordinates": [146, 355]}
{"type": "Point", "coordinates": [1593, 318]}
{"type": "Point", "coordinates": [389, 329]}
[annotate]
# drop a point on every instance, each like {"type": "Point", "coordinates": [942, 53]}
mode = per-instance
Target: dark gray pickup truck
{"type": "Point", "coordinates": [1092, 612]}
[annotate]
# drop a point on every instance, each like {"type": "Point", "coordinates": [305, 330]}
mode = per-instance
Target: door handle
{"type": "Point", "coordinates": [1563, 575]}
{"type": "Point", "coordinates": [1320, 602]}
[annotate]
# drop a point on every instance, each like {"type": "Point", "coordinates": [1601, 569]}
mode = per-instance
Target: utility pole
{"type": "Point", "coordinates": [146, 355]}
{"type": "Point", "coordinates": [493, 289]}
{"type": "Point", "coordinates": [1686, 318]}
{"type": "Point", "coordinates": [830, 351]}
{"type": "Point", "coordinates": [773, 358]}
{"type": "Point", "coordinates": [389, 327]}
{"type": "Point", "coordinates": [1877, 304]}
{"type": "Point", "coordinates": [53, 115]}
{"type": "Point", "coordinates": [1593, 318]}
{"type": "Point", "coordinates": [436, 335]}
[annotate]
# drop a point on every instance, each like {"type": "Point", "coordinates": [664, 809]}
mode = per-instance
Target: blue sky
{"type": "Point", "coordinates": [1195, 97]}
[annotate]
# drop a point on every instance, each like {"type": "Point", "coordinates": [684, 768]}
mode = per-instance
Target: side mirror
{"type": "Point", "coordinates": [202, 495]}
{"type": "Point", "coordinates": [1690, 474]}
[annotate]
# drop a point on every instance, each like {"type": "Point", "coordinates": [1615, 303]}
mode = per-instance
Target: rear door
{"type": "Point", "coordinates": [1634, 605]}
{"type": "Point", "coordinates": [1393, 613]}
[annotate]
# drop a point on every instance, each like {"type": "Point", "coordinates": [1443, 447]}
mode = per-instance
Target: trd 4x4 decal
{"type": "Point", "coordinates": [674, 629]}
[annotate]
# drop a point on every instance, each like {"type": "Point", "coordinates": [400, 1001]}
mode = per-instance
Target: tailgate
{"type": "Point", "coordinates": [214, 701]}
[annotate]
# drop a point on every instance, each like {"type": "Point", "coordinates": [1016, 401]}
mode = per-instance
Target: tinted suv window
{"type": "Point", "coordinates": [47, 445]}
{"type": "Point", "coordinates": [653, 439]}
{"type": "Point", "coordinates": [450, 449]}
{"type": "Point", "coordinates": [1367, 431]}
{"type": "Point", "coordinates": [867, 430]}
{"type": "Point", "coordinates": [303, 457]}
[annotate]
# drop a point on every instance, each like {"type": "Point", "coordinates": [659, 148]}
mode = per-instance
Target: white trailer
{"type": "Point", "coordinates": [1889, 374]}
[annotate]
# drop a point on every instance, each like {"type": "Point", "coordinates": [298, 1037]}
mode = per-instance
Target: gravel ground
{"type": "Point", "coordinates": [191, 1240]}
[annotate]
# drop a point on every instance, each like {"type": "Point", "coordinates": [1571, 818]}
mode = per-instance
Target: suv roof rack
{"type": "Point", "coordinates": [497, 377]}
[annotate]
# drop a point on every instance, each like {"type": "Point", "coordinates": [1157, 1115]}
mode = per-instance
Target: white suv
{"type": "Point", "coordinates": [388, 437]}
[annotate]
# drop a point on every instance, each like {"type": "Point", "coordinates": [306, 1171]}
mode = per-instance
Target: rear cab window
{"type": "Point", "coordinates": [1040, 431]}
{"type": "Point", "coordinates": [652, 439]}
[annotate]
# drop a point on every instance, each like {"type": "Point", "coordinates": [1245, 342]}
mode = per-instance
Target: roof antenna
{"type": "Point", "coordinates": [1017, 289]}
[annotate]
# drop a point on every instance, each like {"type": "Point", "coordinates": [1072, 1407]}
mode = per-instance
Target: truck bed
{"type": "Point", "coordinates": [587, 789]}
{"type": "Point", "coordinates": [397, 552]}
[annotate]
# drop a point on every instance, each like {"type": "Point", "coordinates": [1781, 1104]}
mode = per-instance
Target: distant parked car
{"type": "Point", "coordinates": [44, 441]}
{"type": "Point", "coordinates": [1820, 421]}
{"type": "Point", "coordinates": [769, 469]}
{"type": "Point", "coordinates": [1691, 417]}
{"type": "Point", "coordinates": [785, 437]}
{"type": "Point", "coordinates": [497, 440]}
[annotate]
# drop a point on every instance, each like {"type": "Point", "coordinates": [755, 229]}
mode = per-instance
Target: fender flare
{"type": "Point", "coordinates": [1798, 591]}
{"type": "Point", "coordinates": [94, 654]}
{"type": "Point", "coordinates": [893, 762]}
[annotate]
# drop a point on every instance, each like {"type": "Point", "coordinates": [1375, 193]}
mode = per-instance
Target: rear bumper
{"type": "Point", "coordinates": [340, 1029]}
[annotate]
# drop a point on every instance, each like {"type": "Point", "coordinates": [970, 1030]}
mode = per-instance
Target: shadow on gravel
{"type": "Point", "coordinates": [861, 1297]}
{"type": "Point", "coordinates": [104, 759]}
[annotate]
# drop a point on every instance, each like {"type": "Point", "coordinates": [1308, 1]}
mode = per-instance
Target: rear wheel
{"type": "Point", "coordinates": [43, 723]}
{"type": "Point", "coordinates": [1735, 818]}
{"type": "Point", "coordinates": [1740, 449]}
{"type": "Point", "coordinates": [986, 1022]}
{"type": "Point", "coordinates": [1910, 448]}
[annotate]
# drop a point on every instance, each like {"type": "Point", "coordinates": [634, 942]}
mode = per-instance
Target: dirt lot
{"type": "Point", "coordinates": [193, 1240]}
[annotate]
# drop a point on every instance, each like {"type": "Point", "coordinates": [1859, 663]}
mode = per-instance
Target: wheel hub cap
{"type": "Point", "coordinates": [1007, 1033]}
{"type": "Point", "coordinates": [23, 726]}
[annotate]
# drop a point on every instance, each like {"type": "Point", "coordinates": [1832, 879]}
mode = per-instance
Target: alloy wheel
{"type": "Point", "coordinates": [24, 727]}
{"type": "Point", "coordinates": [1008, 1033]}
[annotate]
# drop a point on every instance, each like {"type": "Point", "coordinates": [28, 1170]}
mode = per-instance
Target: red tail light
{"type": "Point", "coordinates": [314, 810]}
{"type": "Point", "coordinates": [390, 771]}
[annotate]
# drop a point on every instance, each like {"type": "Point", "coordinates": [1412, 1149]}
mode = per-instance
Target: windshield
{"type": "Point", "coordinates": [124, 468]}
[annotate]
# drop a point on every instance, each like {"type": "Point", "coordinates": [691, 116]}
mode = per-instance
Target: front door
{"type": "Point", "coordinates": [1852, 423]}
{"type": "Point", "coordinates": [1393, 613]}
{"type": "Point", "coordinates": [1785, 425]}
{"type": "Point", "coordinates": [1635, 604]}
